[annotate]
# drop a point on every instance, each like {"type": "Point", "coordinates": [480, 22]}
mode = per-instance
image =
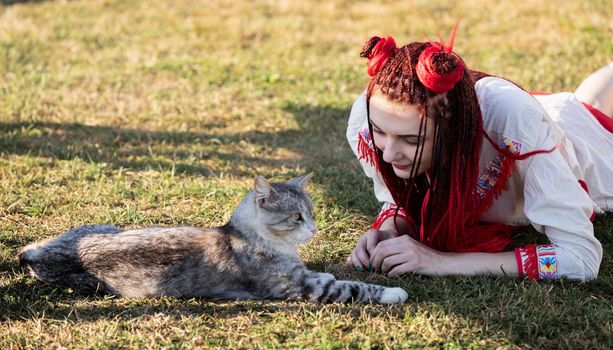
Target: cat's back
{"type": "Point", "coordinates": [151, 244]}
{"type": "Point", "coordinates": [153, 234]}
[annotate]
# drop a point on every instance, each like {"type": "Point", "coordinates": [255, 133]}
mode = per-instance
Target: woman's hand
{"type": "Point", "coordinates": [360, 257]}
{"type": "Point", "coordinates": [394, 254]}
{"type": "Point", "coordinates": [403, 254]}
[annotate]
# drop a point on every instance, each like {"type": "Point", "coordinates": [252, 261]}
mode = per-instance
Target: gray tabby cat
{"type": "Point", "coordinates": [253, 256]}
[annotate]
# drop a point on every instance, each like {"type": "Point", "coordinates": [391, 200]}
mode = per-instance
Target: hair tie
{"type": "Point", "coordinates": [432, 58]}
{"type": "Point", "coordinates": [379, 54]}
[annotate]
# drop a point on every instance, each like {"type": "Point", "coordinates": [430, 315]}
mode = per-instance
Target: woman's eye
{"type": "Point", "coordinates": [411, 141]}
{"type": "Point", "coordinates": [297, 217]}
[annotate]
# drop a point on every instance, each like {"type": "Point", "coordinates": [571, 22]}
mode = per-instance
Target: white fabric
{"type": "Point", "coordinates": [358, 120]}
{"type": "Point", "coordinates": [544, 191]}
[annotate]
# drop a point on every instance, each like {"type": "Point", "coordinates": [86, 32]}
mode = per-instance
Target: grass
{"type": "Point", "coordinates": [143, 112]}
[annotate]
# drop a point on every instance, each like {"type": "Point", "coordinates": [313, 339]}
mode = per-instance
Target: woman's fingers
{"type": "Point", "coordinates": [401, 269]}
{"type": "Point", "coordinates": [375, 237]}
{"type": "Point", "coordinates": [359, 258]}
{"type": "Point", "coordinates": [381, 251]}
{"type": "Point", "coordinates": [386, 249]}
{"type": "Point", "coordinates": [372, 239]}
{"type": "Point", "coordinates": [392, 261]}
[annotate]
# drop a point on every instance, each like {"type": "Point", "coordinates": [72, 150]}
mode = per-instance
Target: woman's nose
{"type": "Point", "coordinates": [391, 151]}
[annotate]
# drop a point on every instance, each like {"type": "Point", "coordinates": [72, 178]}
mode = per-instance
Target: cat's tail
{"type": "Point", "coordinates": [24, 260]}
{"type": "Point", "coordinates": [49, 265]}
{"type": "Point", "coordinates": [53, 257]}
{"type": "Point", "coordinates": [27, 258]}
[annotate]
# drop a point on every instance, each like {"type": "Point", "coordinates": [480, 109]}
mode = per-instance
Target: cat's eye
{"type": "Point", "coordinates": [297, 217]}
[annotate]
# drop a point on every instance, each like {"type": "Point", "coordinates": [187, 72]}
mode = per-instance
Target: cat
{"type": "Point", "coordinates": [253, 256]}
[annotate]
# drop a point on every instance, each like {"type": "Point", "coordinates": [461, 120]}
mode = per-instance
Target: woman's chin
{"type": "Point", "coordinates": [403, 174]}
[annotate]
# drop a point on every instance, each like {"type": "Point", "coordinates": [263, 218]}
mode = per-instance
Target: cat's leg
{"type": "Point", "coordinates": [324, 288]}
{"type": "Point", "coordinates": [55, 258]}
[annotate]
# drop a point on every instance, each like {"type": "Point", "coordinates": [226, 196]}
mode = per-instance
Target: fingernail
{"type": "Point", "coordinates": [369, 267]}
{"type": "Point", "coordinates": [358, 268]}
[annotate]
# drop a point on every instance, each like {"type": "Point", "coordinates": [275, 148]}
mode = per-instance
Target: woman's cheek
{"type": "Point", "coordinates": [376, 139]}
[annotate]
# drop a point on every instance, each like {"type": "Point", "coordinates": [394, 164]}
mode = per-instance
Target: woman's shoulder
{"type": "Point", "coordinates": [508, 111]}
{"type": "Point", "coordinates": [502, 96]}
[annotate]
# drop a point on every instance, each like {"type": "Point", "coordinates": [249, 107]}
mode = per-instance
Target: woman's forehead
{"type": "Point", "coordinates": [383, 102]}
{"type": "Point", "coordinates": [394, 117]}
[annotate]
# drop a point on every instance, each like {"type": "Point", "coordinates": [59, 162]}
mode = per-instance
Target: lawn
{"type": "Point", "coordinates": [162, 112]}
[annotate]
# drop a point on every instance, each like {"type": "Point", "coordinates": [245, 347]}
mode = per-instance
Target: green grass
{"type": "Point", "coordinates": [155, 112]}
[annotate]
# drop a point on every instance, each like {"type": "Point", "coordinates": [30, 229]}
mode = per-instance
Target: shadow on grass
{"type": "Point", "coordinates": [13, 2]}
{"type": "Point", "coordinates": [525, 312]}
{"type": "Point", "coordinates": [26, 298]}
{"type": "Point", "coordinates": [319, 140]}
{"type": "Point", "coordinates": [319, 145]}
{"type": "Point", "coordinates": [126, 148]}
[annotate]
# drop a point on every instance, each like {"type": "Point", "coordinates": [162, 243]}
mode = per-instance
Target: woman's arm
{"type": "Point", "coordinates": [402, 254]}
{"type": "Point", "coordinates": [553, 200]}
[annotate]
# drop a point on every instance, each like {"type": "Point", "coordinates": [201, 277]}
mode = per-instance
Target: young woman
{"type": "Point", "coordinates": [461, 158]}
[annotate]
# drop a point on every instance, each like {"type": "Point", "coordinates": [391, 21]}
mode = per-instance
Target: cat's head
{"type": "Point", "coordinates": [283, 211]}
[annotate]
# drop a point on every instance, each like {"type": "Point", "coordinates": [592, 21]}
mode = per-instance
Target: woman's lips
{"type": "Point", "coordinates": [401, 167]}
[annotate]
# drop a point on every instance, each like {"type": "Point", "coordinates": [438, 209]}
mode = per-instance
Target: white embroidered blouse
{"type": "Point", "coordinates": [545, 190]}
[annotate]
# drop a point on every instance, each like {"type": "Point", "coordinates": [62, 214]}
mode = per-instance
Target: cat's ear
{"type": "Point", "coordinates": [263, 190]}
{"type": "Point", "coordinates": [301, 181]}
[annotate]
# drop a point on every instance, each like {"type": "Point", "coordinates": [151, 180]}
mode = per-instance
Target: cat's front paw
{"type": "Point", "coordinates": [393, 296]}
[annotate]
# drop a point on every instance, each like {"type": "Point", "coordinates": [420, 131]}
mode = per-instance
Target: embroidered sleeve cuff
{"type": "Point", "coordinates": [537, 262]}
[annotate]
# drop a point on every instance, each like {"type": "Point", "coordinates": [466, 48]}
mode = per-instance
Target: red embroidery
{"type": "Point", "coordinates": [388, 213]}
{"type": "Point", "coordinates": [495, 180]}
{"type": "Point", "coordinates": [537, 262]}
{"type": "Point", "coordinates": [527, 262]}
{"type": "Point", "coordinates": [520, 264]}
{"type": "Point", "coordinates": [366, 148]}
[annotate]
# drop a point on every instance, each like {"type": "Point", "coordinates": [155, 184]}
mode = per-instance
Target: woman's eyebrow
{"type": "Point", "coordinates": [408, 135]}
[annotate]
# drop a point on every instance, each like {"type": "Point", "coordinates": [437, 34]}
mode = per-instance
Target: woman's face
{"type": "Point", "coordinates": [396, 133]}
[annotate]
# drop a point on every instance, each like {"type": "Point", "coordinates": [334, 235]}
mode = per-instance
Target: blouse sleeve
{"type": "Point", "coordinates": [558, 205]}
{"type": "Point", "coordinates": [555, 202]}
